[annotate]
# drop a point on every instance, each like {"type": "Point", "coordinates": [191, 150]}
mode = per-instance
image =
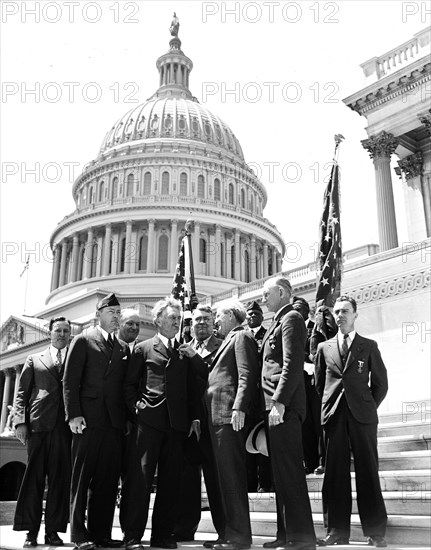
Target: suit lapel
{"type": "Point", "coordinates": [223, 345]}
{"type": "Point", "coordinates": [102, 343]}
{"type": "Point", "coordinates": [354, 351]}
{"type": "Point", "coordinates": [334, 353]}
{"type": "Point", "coordinates": [46, 359]}
{"type": "Point", "coordinates": [160, 347]}
{"type": "Point", "coordinates": [270, 330]}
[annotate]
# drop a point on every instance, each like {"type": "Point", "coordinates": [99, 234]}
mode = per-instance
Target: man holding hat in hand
{"type": "Point", "coordinates": [93, 397]}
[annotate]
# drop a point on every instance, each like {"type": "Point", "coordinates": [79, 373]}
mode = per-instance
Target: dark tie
{"type": "Point", "coordinates": [345, 347]}
{"type": "Point", "coordinates": [110, 342]}
{"type": "Point", "coordinates": [170, 348]}
{"type": "Point", "coordinates": [199, 347]}
{"type": "Point", "coordinates": [59, 362]}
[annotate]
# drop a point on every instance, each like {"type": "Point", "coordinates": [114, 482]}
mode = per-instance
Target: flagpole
{"type": "Point", "coordinates": [339, 138]}
{"type": "Point", "coordinates": [26, 284]}
{"type": "Point", "coordinates": [193, 298]}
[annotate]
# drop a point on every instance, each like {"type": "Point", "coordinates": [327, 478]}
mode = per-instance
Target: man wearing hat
{"type": "Point", "coordinates": [254, 320]}
{"type": "Point", "coordinates": [93, 397]}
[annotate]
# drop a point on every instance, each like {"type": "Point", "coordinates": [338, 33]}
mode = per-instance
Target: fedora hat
{"type": "Point", "coordinates": [256, 440]}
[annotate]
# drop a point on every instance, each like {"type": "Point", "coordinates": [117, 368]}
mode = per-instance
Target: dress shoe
{"type": "Point", "coordinates": [108, 543]}
{"type": "Point", "coordinates": [230, 545]}
{"type": "Point", "coordinates": [330, 540]}
{"type": "Point", "coordinates": [164, 543]}
{"type": "Point", "coordinates": [378, 541]}
{"type": "Point", "coordinates": [134, 544]}
{"type": "Point", "coordinates": [30, 539]}
{"type": "Point", "coordinates": [320, 470]}
{"type": "Point", "coordinates": [53, 539]}
{"type": "Point", "coordinates": [212, 543]}
{"type": "Point", "coordinates": [274, 543]}
{"type": "Point", "coordinates": [85, 545]}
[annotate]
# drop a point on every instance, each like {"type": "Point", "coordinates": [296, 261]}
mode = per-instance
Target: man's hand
{"type": "Point", "coordinates": [237, 420]}
{"type": "Point", "coordinates": [21, 432]}
{"type": "Point", "coordinates": [186, 350]}
{"type": "Point", "coordinates": [276, 414]}
{"type": "Point", "coordinates": [77, 425]}
{"type": "Point", "coordinates": [196, 428]}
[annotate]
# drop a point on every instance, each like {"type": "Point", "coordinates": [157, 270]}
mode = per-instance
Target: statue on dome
{"type": "Point", "coordinates": [175, 25]}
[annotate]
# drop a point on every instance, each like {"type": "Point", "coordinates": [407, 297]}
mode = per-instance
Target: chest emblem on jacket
{"type": "Point", "coordinates": [360, 367]}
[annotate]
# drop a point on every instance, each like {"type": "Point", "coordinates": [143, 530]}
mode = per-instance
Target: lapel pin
{"type": "Point", "coordinates": [360, 366]}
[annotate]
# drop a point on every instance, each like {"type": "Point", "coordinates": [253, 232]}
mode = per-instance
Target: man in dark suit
{"type": "Point", "coordinates": [39, 422]}
{"type": "Point", "coordinates": [198, 453]}
{"type": "Point", "coordinates": [232, 388]}
{"type": "Point", "coordinates": [161, 391]}
{"type": "Point", "coordinates": [284, 397]}
{"type": "Point", "coordinates": [95, 368]}
{"type": "Point", "coordinates": [258, 465]}
{"type": "Point", "coordinates": [352, 380]}
{"type": "Point", "coordinates": [130, 325]}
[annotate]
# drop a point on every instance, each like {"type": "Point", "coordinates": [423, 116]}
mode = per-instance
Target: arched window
{"type": "Point", "coordinates": [201, 187]}
{"type": "Point", "coordinates": [163, 253]}
{"type": "Point", "coordinates": [122, 254]}
{"type": "Point", "coordinates": [101, 191]}
{"type": "Point", "coordinates": [203, 251]}
{"type": "Point", "coordinates": [232, 261]}
{"type": "Point", "coordinates": [217, 190]}
{"type": "Point", "coordinates": [183, 184]}
{"type": "Point", "coordinates": [114, 193]}
{"type": "Point", "coordinates": [242, 198]}
{"type": "Point", "coordinates": [90, 195]}
{"type": "Point", "coordinates": [222, 261]}
{"type": "Point", "coordinates": [81, 262]}
{"type": "Point", "coordinates": [165, 183]}
{"type": "Point", "coordinates": [147, 183]}
{"type": "Point", "coordinates": [270, 266]}
{"type": "Point", "coordinates": [143, 252]}
{"type": "Point", "coordinates": [247, 266]}
{"type": "Point", "coordinates": [251, 203]}
{"type": "Point", "coordinates": [129, 187]}
{"type": "Point", "coordinates": [231, 199]}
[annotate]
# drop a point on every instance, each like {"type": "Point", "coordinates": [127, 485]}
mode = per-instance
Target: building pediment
{"type": "Point", "coordinates": [19, 331]}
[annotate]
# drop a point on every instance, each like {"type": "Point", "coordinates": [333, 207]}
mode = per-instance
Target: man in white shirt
{"type": "Point", "coordinates": [352, 380]}
{"type": "Point", "coordinates": [130, 325]}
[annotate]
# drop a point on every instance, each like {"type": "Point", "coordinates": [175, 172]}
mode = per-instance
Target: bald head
{"type": "Point", "coordinates": [130, 324]}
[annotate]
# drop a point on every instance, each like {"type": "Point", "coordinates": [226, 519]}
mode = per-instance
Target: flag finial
{"type": "Point", "coordinates": [188, 226]}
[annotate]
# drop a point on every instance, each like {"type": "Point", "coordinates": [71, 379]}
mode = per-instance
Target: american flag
{"type": "Point", "coordinates": [330, 261]}
{"type": "Point", "coordinates": [179, 286]}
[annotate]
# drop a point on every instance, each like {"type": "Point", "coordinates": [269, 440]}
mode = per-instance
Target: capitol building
{"type": "Point", "coordinates": [165, 161]}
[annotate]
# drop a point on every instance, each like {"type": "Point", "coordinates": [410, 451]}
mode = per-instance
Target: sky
{"type": "Point", "coordinates": [275, 72]}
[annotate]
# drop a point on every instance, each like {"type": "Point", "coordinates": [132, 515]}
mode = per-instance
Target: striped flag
{"type": "Point", "coordinates": [330, 261]}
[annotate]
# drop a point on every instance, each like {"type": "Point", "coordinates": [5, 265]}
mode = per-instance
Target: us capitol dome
{"type": "Point", "coordinates": [163, 162]}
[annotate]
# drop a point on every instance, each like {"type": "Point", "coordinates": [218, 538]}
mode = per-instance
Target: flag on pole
{"type": "Point", "coordinates": [26, 266]}
{"type": "Point", "coordinates": [180, 288]}
{"type": "Point", "coordinates": [330, 261]}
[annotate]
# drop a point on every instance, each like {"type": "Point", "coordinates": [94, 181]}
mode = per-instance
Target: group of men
{"type": "Point", "coordinates": [187, 408]}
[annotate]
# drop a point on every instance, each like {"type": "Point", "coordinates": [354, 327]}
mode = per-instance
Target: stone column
{"type": "Point", "coordinates": [252, 258]}
{"type": "Point", "coordinates": [6, 396]}
{"type": "Point", "coordinates": [134, 251]}
{"type": "Point", "coordinates": [380, 148]}
{"type": "Point", "coordinates": [237, 259]}
{"type": "Point", "coordinates": [274, 260]}
{"type": "Point", "coordinates": [229, 256]}
{"type": "Point", "coordinates": [197, 236]}
{"type": "Point", "coordinates": [63, 263]}
{"type": "Point", "coordinates": [99, 255]}
{"type": "Point", "coordinates": [211, 252]}
{"type": "Point", "coordinates": [18, 370]}
{"type": "Point", "coordinates": [55, 268]}
{"type": "Point", "coordinates": [417, 212]}
{"type": "Point", "coordinates": [174, 245]}
{"type": "Point", "coordinates": [75, 257]}
{"type": "Point", "coordinates": [115, 255]}
{"type": "Point", "coordinates": [278, 260]}
{"type": "Point", "coordinates": [106, 250]}
{"type": "Point", "coordinates": [128, 252]}
{"type": "Point", "coordinates": [151, 246]}
{"type": "Point", "coordinates": [265, 259]}
{"type": "Point", "coordinates": [218, 251]}
{"type": "Point", "coordinates": [88, 254]}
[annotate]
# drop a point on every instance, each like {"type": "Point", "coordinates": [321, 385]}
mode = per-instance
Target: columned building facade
{"type": "Point", "coordinates": [395, 103]}
{"type": "Point", "coordinates": [164, 162]}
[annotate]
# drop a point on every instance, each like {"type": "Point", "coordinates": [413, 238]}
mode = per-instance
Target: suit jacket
{"type": "Point", "coordinates": [93, 380]}
{"type": "Point", "coordinates": [283, 361]}
{"type": "Point", "coordinates": [39, 399]}
{"type": "Point", "coordinates": [167, 385]}
{"type": "Point", "coordinates": [363, 381]}
{"type": "Point", "coordinates": [233, 377]}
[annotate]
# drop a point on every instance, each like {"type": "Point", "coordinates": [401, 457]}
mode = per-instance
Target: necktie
{"type": "Point", "coordinates": [170, 348]}
{"type": "Point", "coordinates": [345, 347]}
{"type": "Point", "coordinates": [199, 347]}
{"type": "Point", "coordinates": [59, 362]}
{"type": "Point", "coordinates": [110, 342]}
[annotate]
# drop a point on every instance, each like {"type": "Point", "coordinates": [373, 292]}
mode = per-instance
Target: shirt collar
{"type": "Point", "coordinates": [53, 351]}
{"type": "Point", "coordinates": [351, 336]}
{"type": "Point", "coordinates": [104, 333]}
{"type": "Point", "coordinates": [165, 340]}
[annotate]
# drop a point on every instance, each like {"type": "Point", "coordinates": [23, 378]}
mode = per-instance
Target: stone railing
{"type": "Point", "coordinates": [415, 48]}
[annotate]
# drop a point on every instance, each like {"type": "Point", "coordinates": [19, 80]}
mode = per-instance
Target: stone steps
{"type": "Point", "coordinates": [396, 443]}
{"type": "Point", "coordinates": [416, 428]}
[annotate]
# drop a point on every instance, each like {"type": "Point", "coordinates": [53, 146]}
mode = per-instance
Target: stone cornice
{"type": "Point", "coordinates": [403, 81]}
{"type": "Point", "coordinates": [150, 210]}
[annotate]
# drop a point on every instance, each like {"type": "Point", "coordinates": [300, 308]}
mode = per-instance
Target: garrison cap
{"type": "Point", "coordinates": [254, 306]}
{"type": "Point", "coordinates": [108, 301]}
